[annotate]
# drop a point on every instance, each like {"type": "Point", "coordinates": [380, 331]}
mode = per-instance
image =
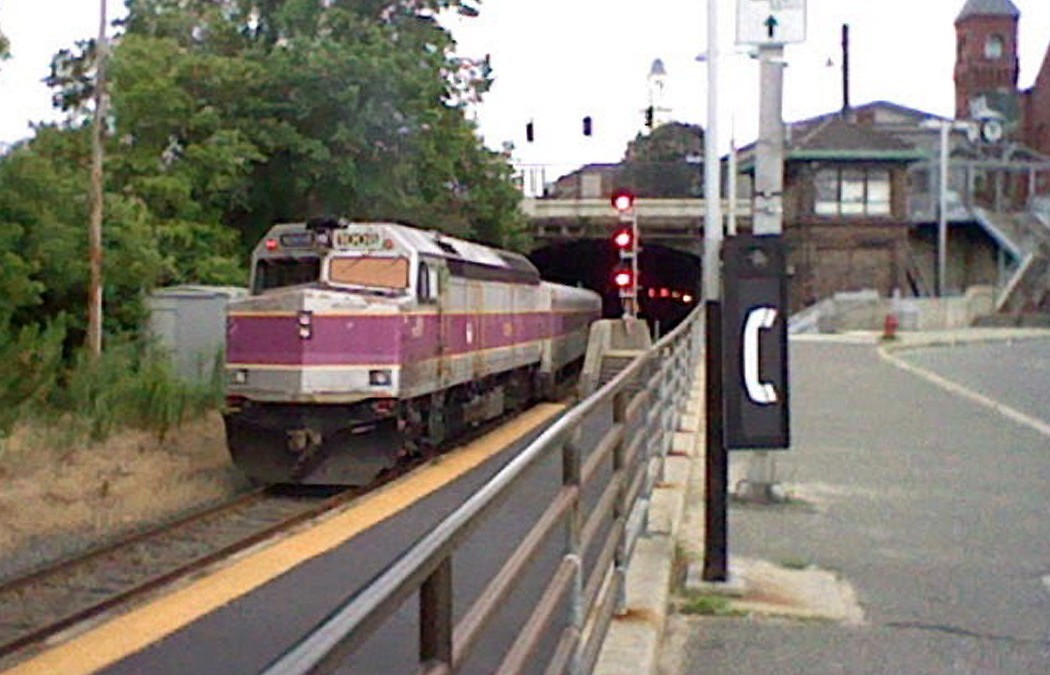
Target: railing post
{"type": "Point", "coordinates": [571, 464]}
{"type": "Point", "coordinates": [435, 615]}
{"type": "Point", "coordinates": [621, 509]}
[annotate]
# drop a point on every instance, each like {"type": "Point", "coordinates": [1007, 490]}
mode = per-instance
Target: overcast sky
{"type": "Point", "coordinates": [557, 60]}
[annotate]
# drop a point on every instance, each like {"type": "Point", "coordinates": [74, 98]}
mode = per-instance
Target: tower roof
{"type": "Point", "coordinates": [988, 8]}
{"type": "Point", "coordinates": [657, 68]}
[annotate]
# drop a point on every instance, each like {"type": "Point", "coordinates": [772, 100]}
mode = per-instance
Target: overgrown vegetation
{"type": "Point", "coordinates": [708, 604]}
{"type": "Point", "coordinates": [226, 116]}
{"type": "Point", "coordinates": [131, 384]}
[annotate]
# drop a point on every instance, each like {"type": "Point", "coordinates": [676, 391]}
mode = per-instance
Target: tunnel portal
{"type": "Point", "coordinates": [669, 279]}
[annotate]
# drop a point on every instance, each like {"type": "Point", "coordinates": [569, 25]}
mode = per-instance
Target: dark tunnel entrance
{"type": "Point", "coordinates": [670, 280]}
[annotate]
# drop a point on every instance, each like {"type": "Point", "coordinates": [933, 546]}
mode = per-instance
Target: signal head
{"type": "Point", "coordinates": [623, 238]}
{"type": "Point", "coordinates": [622, 200]}
{"type": "Point", "coordinates": [623, 278]}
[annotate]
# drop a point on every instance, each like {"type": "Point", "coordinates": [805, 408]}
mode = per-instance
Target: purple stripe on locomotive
{"type": "Point", "coordinates": [386, 339]}
{"type": "Point", "coordinates": [274, 340]}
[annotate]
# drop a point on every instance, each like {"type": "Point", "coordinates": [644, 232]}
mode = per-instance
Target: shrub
{"type": "Point", "coordinates": [32, 360]}
{"type": "Point", "coordinates": [132, 384]}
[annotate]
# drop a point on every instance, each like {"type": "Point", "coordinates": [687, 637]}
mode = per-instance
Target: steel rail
{"type": "Point", "coordinates": [132, 587]}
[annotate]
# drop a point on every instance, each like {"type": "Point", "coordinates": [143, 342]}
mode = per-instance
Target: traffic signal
{"type": "Point", "coordinates": [624, 239]}
{"type": "Point", "coordinates": [623, 278]}
{"type": "Point", "coordinates": [530, 132]}
{"type": "Point", "coordinates": [649, 117]}
{"type": "Point", "coordinates": [587, 125]}
{"type": "Point", "coordinates": [622, 200]}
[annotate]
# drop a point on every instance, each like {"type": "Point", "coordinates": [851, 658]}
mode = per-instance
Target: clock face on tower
{"type": "Point", "coordinates": [991, 131]}
{"type": "Point", "coordinates": [993, 47]}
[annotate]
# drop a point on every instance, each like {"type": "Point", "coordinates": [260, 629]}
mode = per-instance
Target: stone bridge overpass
{"type": "Point", "coordinates": [674, 223]}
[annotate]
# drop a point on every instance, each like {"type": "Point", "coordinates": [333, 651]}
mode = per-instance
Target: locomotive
{"type": "Point", "coordinates": [363, 343]}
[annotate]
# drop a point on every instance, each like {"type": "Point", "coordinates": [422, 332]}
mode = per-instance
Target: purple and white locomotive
{"type": "Point", "coordinates": [364, 342]}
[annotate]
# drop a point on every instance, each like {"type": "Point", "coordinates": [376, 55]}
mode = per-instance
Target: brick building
{"type": "Point", "coordinates": [987, 70]}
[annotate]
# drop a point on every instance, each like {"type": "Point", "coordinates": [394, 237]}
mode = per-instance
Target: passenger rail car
{"type": "Point", "coordinates": [362, 343]}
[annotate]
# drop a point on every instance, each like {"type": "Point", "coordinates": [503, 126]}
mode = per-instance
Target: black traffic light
{"type": "Point", "coordinates": [530, 132]}
{"type": "Point", "coordinates": [587, 125]}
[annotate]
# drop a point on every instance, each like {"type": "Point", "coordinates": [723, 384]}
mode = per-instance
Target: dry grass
{"type": "Point", "coordinates": [53, 487]}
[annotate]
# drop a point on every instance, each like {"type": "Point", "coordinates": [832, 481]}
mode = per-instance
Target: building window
{"type": "Point", "coordinates": [993, 47]}
{"type": "Point", "coordinates": [853, 192]}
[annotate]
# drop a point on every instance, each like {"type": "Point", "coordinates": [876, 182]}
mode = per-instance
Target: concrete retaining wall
{"type": "Point", "coordinates": [866, 310]}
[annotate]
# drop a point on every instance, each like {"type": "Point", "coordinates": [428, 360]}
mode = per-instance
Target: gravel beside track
{"type": "Point", "coordinates": [40, 604]}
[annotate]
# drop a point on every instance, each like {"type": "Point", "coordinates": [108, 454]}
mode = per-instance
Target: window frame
{"type": "Point", "coordinates": [859, 192]}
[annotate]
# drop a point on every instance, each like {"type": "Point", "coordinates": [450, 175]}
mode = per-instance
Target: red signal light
{"type": "Point", "coordinates": [622, 200]}
{"type": "Point", "coordinates": [623, 278]}
{"type": "Point", "coordinates": [624, 238]}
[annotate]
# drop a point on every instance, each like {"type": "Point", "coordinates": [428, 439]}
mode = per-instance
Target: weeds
{"type": "Point", "coordinates": [135, 386]}
{"type": "Point", "coordinates": [794, 564]}
{"type": "Point", "coordinates": [707, 604]}
{"type": "Point", "coordinates": [130, 384]}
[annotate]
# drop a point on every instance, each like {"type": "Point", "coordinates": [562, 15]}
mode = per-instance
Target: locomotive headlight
{"type": "Point", "coordinates": [306, 327]}
{"type": "Point", "coordinates": [239, 376]}
{"type": "Point", "coordinates": [379, 378]}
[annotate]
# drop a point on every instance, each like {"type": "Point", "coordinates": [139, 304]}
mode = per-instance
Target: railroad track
{"type": "Point", "coordinates": [48, 600]}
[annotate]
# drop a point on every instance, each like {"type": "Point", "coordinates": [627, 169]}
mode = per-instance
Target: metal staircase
{"type": "Point", "coordinates": [1026, 237]}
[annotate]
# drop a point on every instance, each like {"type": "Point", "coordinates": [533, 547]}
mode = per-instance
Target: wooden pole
{"type": "Point", "coordinates": [94, 336]}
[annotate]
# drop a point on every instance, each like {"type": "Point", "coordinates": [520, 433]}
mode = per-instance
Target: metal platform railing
{"type": "Point", "coordinates": [620, 464]}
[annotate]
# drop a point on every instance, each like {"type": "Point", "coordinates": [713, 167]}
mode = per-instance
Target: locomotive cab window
{"type": "Point", "coordinates": [280, 272]}
{"type": "Point", "coordinates": [373, 271]}
{"type": "Point", "coordinates": [426, 283]}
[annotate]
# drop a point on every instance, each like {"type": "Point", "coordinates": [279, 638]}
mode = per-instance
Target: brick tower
{"type": "Point", "coordinates": [986, 63]}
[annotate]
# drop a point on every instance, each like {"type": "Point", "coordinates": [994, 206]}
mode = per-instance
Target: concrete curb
{"type": "Point", "coordinates": [632, 644]}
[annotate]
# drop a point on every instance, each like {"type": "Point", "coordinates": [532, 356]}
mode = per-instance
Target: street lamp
{"type": "Point", "coordinates": [945, 127]}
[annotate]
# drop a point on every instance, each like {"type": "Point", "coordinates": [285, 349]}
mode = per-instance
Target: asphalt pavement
{"type": "Point", "coordinates": [919, 484]}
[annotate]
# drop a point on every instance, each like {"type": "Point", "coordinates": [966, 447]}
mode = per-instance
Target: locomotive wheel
{"type": "Point", "coordinates": [413, 427]}
{"type": "Point", "coordinates": [437, 424]}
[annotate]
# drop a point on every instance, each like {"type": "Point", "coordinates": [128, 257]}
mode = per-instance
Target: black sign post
{"type": "Point", "coordinates": [755, 359]}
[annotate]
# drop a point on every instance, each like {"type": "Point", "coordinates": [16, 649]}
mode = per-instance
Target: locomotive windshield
{"type": "Point", "coordinates": [374, 271]}
{"type": "Point", "coordinates": [280, 272]}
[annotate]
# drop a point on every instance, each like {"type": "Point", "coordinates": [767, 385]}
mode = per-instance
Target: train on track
{"type": "Point", "coordinates": [363, 343]}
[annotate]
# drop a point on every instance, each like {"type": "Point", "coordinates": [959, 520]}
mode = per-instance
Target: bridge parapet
{"type": "Point", "coordinates": [677, 223]}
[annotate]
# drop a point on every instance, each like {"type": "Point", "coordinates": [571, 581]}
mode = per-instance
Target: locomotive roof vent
{"type": "Point", "coordinates": [323, 223]}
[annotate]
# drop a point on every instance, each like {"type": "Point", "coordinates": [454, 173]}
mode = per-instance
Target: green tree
{"type": "Point", "coordinates": [43, 212]}
{"type": "Point", "coordinates": [666, 163]}
{"type": "Point", "coordinates": [356, 108]}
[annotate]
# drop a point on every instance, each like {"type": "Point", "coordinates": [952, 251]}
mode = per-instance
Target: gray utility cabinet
{"type": "Point", "coordinates": [190, 322]}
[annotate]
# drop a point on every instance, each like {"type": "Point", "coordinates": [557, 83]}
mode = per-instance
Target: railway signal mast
{"type": "Point", "coordinates": [626, 241]}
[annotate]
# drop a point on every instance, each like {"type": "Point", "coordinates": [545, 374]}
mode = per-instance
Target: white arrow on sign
{"type": "Point", "coordinates": [770, 22]}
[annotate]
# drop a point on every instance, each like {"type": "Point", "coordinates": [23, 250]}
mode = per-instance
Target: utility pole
{"type": "Point", "coordinates": [716, 459]}
{"type": "Point", "coordinates": [94, 336]}
{"type": "Point", "coordinates": [769, 211]}
{"type": "Point", "coordinates": [757, 417]}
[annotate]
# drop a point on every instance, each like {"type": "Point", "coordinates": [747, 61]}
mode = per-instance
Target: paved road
{"type": "Point", "coordinates": [1014, 373]}
{"type": "Point", "coordinates": [935, 508]}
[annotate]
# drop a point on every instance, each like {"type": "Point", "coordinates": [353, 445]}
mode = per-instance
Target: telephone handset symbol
{"type": "Point", "coordinates": [760, 318]}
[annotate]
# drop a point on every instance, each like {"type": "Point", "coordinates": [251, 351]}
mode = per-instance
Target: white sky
{"type": "Point", "coordinates": [558, 60]}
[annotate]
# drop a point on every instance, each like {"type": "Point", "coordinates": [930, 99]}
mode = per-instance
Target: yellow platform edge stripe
{"type": "Point", "coordinates": [128, 633]}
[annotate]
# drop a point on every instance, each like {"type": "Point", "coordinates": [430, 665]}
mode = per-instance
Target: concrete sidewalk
{"type": "Point", "coordinates": [634, 641]}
